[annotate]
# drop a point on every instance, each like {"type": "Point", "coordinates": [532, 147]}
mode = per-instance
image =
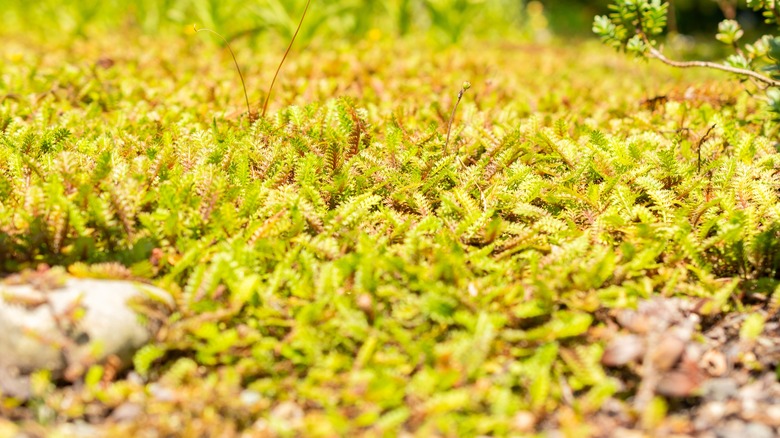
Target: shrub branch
{"type": "Point", "coordinates": [657, 54]}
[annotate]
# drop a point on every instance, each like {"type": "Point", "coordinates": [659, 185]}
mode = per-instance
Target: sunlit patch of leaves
{"type": "Point", "coordinates": [337, 272]}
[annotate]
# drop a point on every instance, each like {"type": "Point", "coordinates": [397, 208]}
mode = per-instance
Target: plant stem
{"type": "Point", "coordinates": [466, 86]}
{"type": "Point", "coordinates": [273, 81]}
{"type": "Point", "coordinates": [243, 85]}
{"type": "Point", "coordinates": [698, 149]}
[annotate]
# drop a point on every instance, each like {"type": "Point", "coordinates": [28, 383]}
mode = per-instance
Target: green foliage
{"type": "Point", "coordinates": [752, 327]}
{"type": "Point", "coordinates": [145, 357]}
{"type": "Point", "coordinates": [448, 21]}
{"type": "Point", "coordinates": [729, 32]}
{"type": "Point", "coordinates": [621, 29]}
{"type": "Point", "coordinates": [336, 270]}
{"type": "Point", "coordinates": [768, 8]}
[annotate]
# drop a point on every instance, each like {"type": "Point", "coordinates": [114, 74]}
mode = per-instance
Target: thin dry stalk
{"type": "Point", "coordinates": [273, 81]}
{"type": "Point", "coordinates": [235, 61]}
{"type": "Point", "coordinates": [466, 86]}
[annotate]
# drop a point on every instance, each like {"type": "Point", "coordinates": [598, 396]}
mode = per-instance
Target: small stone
{"type": "Point", "coordinates": [720, 389]}
{"type": "Point", "coordinates": [14, 385]}
{"type": "Point", "coordinates": [134, 378]}
{"type": "Point", "coordinates": [250, 398]}
{"type": "Point", "coordinates": [126, 412]}
{"type": "Point", "coordinates": [715, 363]}
{"type": "Point", "coordinates": [98, 323]}
{"type": "Point", "coordinates": [289, 413]}
{"type": "Point", "coordinates": [261, 427]}
{"type": "Point", "coordinates": [677, 384]}
{"type": "Point", "coordinates": [622, 350]}
{"type": "Point", "coordinates": [749, 409]}
{"type": "Point", "coordinates": [79, 429]}
{"type": "Point", "coordinates": [753, 391]}
{"type": "Point", "coordinates": [628, 433]}
{"type": "Point", "coordinates": [634, 321]}
{"type": "Point", "coordinates": [773, 415]}
{"type": "Point", "coordinates": [524, 422]}
{"type": "Point", "coordinates": [758, 430]}
{"type": "Point", "coordinates": [162, 394]}
{"type": "Point", "coordinates": [713, 412]}
{"type": "Point", "coordinates": [732, 429]}
{"type": "Point", "coordinates": [365, 303]}
{"type": "Point", "coordinates": [692, 353]}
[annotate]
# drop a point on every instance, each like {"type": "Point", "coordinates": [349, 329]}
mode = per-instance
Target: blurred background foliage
{"type": "Point", "coordinates": [692, 17]}
{"type": "Point", "coordinates": [448, 21]}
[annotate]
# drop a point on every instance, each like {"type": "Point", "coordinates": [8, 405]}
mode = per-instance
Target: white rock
{"type": "Point", "coordinates": [40, 335]}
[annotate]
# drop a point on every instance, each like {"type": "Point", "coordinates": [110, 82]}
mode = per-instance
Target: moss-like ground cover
{"type": "Point", "coordinates": [338, 272]}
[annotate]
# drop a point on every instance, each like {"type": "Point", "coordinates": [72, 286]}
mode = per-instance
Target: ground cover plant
{"type": "Point", "coordinates": [584, 245]}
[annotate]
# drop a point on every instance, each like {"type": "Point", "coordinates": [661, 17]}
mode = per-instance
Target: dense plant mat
{"type": "Point", "coordinates": [336, 271]}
